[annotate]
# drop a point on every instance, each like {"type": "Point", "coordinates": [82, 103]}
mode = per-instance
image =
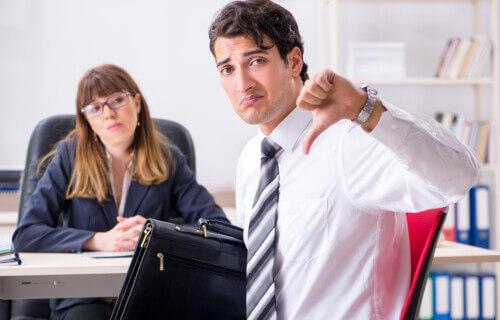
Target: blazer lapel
{"type": "Point", "coordinates": [110, 211]}
{"type": "Point", "coordinates": [135, 196]}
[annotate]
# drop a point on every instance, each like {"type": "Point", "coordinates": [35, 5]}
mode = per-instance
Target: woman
{"type": "Point", "coordinates": [108, 175]}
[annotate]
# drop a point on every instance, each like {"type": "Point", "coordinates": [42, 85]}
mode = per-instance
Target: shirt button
{"type": "Point", "coordinates": [394, 127]}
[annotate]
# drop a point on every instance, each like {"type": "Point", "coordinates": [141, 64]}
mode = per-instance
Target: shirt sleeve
{"type": "Point", "coordinates": [191, 199]}
{"type": "Point", "coordinates": [38, 230]}
{"type": "Point", "coordinates": [408, 163]}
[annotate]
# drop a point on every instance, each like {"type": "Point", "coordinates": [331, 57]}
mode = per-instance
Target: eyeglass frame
{"type": "Point", "coordinates": [104, 104]}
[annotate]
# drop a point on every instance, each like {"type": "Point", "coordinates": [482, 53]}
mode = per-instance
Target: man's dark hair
{"type": "Point", "coordinates": [257, 18]}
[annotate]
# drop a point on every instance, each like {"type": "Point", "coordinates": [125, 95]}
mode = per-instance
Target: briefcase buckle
{"type": "Point", "coordinates": [147, 234]}
{"type": "Point", "coordinates": [191, 230]}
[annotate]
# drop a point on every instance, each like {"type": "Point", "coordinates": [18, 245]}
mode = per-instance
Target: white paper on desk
{"type": "Point", "coordinates": [107, 254]}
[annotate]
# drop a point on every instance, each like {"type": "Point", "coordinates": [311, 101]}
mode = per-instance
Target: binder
{"type": "Point", "coordinates": [10, 180]}
{"type": "Point", "coordinates": [427, 303]}
{"type": "Point", "coordinates": [459, 58]}
{"type": "Point", "coordinates": [448, 56]}
{"type": "Point", "coordinates": [463, 221]}
{"type": "Point", "coordinates": [487, 296]}
{"type": "Point", "coordinates": [449, 226]}
{"type": "Point", "coordinates": [441, 296]}
{"type": "Point", "coordinates": [482, 141]}
{"type": "Point", "coordinates": [480, 215]}
{"type": "Point", "coordinates": [458, 128]}
{"type": "Point", "coordinates": [474, 135]}
{"type": "Point", "coordinates": [457, 296]}
{"type": "Point", "coordinates": [472, 302]}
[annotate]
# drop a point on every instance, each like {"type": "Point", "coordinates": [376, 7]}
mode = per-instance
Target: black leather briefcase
{"type": "Point", "coordinates": [184, 272]}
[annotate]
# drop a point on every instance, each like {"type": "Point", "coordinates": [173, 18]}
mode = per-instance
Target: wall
{"type": "Point", "coordinates": [47, 45]}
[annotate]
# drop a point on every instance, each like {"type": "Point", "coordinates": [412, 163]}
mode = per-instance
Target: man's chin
{"type": "Point", "coordinates": [253, 119]}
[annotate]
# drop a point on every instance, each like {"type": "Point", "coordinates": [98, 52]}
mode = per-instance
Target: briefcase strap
{"type": "Point", "coordinates": [221, 227]}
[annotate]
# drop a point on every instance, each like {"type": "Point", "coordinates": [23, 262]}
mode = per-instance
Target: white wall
{"type": "Point", "coordinates": [47, 45]}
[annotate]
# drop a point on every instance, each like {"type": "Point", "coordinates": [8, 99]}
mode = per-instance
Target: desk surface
{"type": "Point", "coordinates": [452, 252]}
{"type": "Point", "coordinates": [64, 264]}
{"type": "Point", "coordinates": [75, 264]}
{"type": "Point", "coordinates": [59, 275]}
{"type": "Point", "coordinates": [56, 275]}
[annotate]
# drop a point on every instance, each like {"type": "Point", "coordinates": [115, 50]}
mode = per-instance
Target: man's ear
{"type": "Point", "coordinates": [295, 61]}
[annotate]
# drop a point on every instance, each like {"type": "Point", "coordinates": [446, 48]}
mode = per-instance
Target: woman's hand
{"type": "Point", "coordinates": [123, 237]}
{"type": "Point", "coordinates": [129, 231]}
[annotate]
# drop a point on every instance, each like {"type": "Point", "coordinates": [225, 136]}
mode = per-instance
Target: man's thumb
{"type": "Point", "coordinates": [313, 133]}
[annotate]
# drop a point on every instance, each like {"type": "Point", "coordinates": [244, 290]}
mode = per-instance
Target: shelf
{"type": "Point", "coordinates": [426, 82]}
{"type": "Point", "coordinates": [8, 217]}
{"type": "Point", "coordinates": [488, 167]}
{"type": "Point", "coordinates": [452, 252]}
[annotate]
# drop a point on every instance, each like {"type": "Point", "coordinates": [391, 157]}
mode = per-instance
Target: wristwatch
{"type": "Point", "coordinates": [371, 99]}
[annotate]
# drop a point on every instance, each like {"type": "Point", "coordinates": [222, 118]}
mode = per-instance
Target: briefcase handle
{"type": "Point", "coordinates": [221, 227]}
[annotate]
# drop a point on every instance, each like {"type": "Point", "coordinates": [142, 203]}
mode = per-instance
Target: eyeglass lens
{"type": "Point", "coordinates": [116, 101]}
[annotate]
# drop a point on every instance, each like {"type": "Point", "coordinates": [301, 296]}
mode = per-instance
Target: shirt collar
{"type": "Point", "coordinates": [288, 132]}
{"type": "Point", "coordinates": [110, 160]}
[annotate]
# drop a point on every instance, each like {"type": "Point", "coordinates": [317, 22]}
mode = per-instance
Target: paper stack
{"type": "Point", "coordinates": [8, 257]}
{"type": "Point", "coordinates": [375, 59]}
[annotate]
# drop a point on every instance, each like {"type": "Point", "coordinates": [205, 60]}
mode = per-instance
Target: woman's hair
{"type": "Point", "coordinates": [152, 159]}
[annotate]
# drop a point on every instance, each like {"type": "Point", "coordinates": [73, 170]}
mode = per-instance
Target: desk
{"type": "Point", "coordinates": [452, 252]}
{"type": "Point", "coordinates": [58, 275]}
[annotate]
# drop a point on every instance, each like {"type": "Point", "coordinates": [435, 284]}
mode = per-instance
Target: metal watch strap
{"type": "Point", "coordinates": [371, 99]}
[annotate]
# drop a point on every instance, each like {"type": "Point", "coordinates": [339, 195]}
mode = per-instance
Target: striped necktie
{"type": "Point", "coordinates": [261, 300]}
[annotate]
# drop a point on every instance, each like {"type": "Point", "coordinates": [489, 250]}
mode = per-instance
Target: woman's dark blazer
{"type": "Point", "coordinates": [39, 231]}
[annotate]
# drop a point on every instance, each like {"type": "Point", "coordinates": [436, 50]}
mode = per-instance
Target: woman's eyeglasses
{"type": "Point", "coordinates": [115, 101]}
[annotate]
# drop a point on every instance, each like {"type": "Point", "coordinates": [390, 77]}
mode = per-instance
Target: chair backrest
{"type": "Point", "coordinates": [423, 229]}
{"type": "Point", "coordinates": [52, 129]}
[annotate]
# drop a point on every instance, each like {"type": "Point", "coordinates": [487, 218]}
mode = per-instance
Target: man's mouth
{"type": "Point", "coordinates": [249, 100]}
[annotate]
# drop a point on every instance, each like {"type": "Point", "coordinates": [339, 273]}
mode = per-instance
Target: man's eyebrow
{"type": "Point", "coordinates": [245, 54]}
{"type": "Point", "coordinates": [223, 61]}
{"type": "Point", "coordinates": [249, 53]}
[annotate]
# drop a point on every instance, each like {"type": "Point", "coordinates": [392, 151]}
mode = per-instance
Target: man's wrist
{"type": "Point", "coordinates": [368, 106]}
{"type": "Point", "coordinates": [375, 116]}
{"type": "Point", "coordinates": [359, 103]}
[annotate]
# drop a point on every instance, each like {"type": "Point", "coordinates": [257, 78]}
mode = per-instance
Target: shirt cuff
{"type": "Point", "coordinates": [393, 127]}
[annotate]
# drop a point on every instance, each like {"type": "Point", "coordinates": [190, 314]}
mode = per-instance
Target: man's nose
{"type": "Point", "coordinates": [245, 82]}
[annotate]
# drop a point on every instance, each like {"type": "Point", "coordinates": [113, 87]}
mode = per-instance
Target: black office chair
{"type": "Point", "coordinates": [44, 137]}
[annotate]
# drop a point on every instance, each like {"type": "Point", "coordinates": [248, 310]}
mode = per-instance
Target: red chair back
{"type": "Point", "coordinates": [423, 229]}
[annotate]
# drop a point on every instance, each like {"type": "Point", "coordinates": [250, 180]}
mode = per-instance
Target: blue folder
{"type": "Point", "coordinates": [472, 301]}
{"type": "Point", "coordinates": [480, 215]}
{"type": "Point", "coordinates": [487, 296]}
{"type": "Point", "coordinates": [457, 297]}
{"type": "Point", "coordinates": [463, 221]}
{"type": "Point", "coordinates": [441, 296]}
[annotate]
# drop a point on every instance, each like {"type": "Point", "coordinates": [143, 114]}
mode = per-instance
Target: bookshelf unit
{"type": "Point", "coordinates": [330, 49]}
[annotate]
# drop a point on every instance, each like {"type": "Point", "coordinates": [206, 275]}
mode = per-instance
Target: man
{"type": "Point", "coordinates": [323, 205]}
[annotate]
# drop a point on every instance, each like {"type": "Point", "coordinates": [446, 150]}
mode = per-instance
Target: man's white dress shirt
{"type": "Point", "coordinates": [342, 249]}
